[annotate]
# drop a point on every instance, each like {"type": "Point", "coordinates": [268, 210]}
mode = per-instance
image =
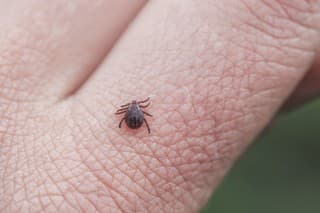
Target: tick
{"type": "Point", "coordinates": [133, 114]}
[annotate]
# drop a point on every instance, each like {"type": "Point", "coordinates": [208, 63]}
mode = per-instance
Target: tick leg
{"type": "Point", "coordinates": [122, 109]}
{"type": "Point", "coordinates": [125, 105]}
{"type": "Point", "coordinates": [147, 125]}
{"type": "Point", "coordinates": [144, 106]}
{"type": "Point", "coordinates": [146, 113]}
{"type": "Point", "coordinates": [120, 112]}
{"type": "Point", "coordinates": [140, 102]}
{"type": "Point", "coordinates": [121, 122]}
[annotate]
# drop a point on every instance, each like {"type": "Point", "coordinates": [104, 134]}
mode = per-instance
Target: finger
{"type": "Point", "coordinates": [216, 73]}
{"type": "Point", "coordinates": [47, 48]}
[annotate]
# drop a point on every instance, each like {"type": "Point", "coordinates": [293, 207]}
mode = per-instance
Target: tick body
{"type": "Point", "coordinates": [134, 116]}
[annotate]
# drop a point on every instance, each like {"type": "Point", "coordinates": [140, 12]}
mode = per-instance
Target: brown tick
{"type": "Point", "coordinates": [134, 116]}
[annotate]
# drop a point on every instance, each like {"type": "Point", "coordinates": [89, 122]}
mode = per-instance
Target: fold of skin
{"type": "Point", "coordinates": [216, 72]}
{"type": "Point", "coordinates": [308, 88]}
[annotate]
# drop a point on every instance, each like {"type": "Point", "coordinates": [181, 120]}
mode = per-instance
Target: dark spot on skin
{"type": "Point", "coordinates": [133, 115]}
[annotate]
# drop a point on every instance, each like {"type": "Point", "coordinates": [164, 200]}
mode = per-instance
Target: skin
{"type": "Point", "coordinates": [216, 72]}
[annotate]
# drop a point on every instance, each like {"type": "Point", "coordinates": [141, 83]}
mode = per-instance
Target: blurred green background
{"type": "Point", "coordinates": [280, 172]}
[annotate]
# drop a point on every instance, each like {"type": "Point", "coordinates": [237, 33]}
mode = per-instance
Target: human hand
{"type": "Point", "coordinates": [216, 72]}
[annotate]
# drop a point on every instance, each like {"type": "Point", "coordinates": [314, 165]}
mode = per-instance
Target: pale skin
{"type": "Point", "coordinates": [216, 72]}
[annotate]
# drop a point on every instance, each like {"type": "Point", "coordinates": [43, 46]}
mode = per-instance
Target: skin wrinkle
{"type": "Point", "coordinates": [292, 32]}
{"type": "Point", "coordinates": [153, 170]}
{"type": "Point", "coordinates": [53, 198]}
{"type": "Point", "coordinates": [265, 60]}
{"type": "Point", "coordinates": [83, 160]}
{"type": "Point", "coordinates": [99, 140]}
{"type": "Point", "coordinates": [47, 193]}
{"type": "Point", "coordinates": [54, 180]}
{"type": "Point", "coordinates": [187, 148]}
{"type": "Point", "coordinates": [269, 23]}
{"type": "Point", "coordinates": [78, 194]}
{"type": "Point", "coordinates": [122, 171]}
{"type": "Point", "coordinates": [105, 183]}
{"type": "Point", "coordinates": [192, 158]}
{"type": "Point", "coordinates": [310, 9]}
{"type": "Point", "coordinates": [24, 163]}
{"type": "Point", "coordinates": [8, 161]}
{"type": "Point", "coordinates": [276, 7]}
{"type": "Point", "coordinates": [275, 63]}
{"type": "Point", "coordinates": [50, 32]}
{"type": "Point", "coordinates": [17, 135]}
{"type": "Point", "coordinates": [128, 160]}
{"type": "Point", "coordinates": [62, 193]}
{"type": "Point", "coordinates": [17, 186]}
{"type": "Point", "coordinates": [27, 196]}
{"type": "Point", "coordinates": [284, 11]}
{"type": "Point", "coordinates": [20, 54]}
